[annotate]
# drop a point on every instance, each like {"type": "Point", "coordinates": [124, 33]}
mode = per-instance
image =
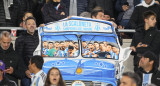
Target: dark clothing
{"type": "Point", "coordinates": [82, 6]}
{"type": "Point", "coordinates": [155, 78]}
{"type": "Point", "coordinates": [14, 14]}
{"type": "Point", "coordinates": [25, 46]}
{"type": "Point", "coordinates": [7, 82]}
{"type": "Point", "coordinates": [150, 38]}
{"type": "Point", "coordinates": [51, 13]}
{"type": "Point", "coordinates": [137, 15]}
{"type": "Point", "coordinates": [11, 59]}
{"type": "Point", "coordinates": [107, 5]}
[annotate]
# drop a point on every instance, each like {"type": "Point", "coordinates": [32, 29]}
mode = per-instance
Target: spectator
{"type": "Point", "coordinates": [137, 15]}
{"type": "Point", "coordinates": [4, 81]}
{"type": "Point", "coordinates": [97, 14]}
{"type": "Point", "coordinates": [148, 71]}
{"type": "Point", "coordinates": [9, 15]}
{"type": "Point", "coordinates": [25, 46]}
{"type": "Point", "coordinates": [54, 77]}
{"type": "Point", "coordinates": [76, 7]}
{"type": "Point", "coordinates": [35, 67]}
{"type": "Point", "coordinates": [125, 9]}
{"type": "Point", "coordinates": [54, 10]}
{"type": "Point", "coordinates": [14, 64]}
{"type": "Point", "coordinates": [129, 79]}
{"type": "Point", "coordinates": [146, 38]}
{"type": "Point", "coordinates": [107, 5]}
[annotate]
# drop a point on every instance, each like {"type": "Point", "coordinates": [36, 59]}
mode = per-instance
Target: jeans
{"type": "Point", "coordinates": [26, 81]}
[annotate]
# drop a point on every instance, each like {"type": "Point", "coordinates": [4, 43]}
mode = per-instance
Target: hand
{"type": "Point", "coordinates": [62, 13]}
{"type": "Point", "coordinates": [9, 70]}
{"type": "Point", "coordinates": [28, 73]}
{"type": "Point", "coordinates": [41, 25]}
{"type": "Point", "coordinates": [139, 44]}
{"type": "Point", "coordinates": [125, 7]}
{"type": "Point", "coordinates": [133, 48]}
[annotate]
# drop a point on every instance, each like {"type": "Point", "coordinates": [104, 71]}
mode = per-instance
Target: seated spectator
{"type": "Point", "coordinates": [54, 77]}
{"type": "Point", "coordinates": [129, 79]}
{"type": "Point", "coordinates": [146, 38]}
{"type": "Point", "coordinates": [35, 67]}
{"type": "Point", "coordinates": [137, 15]}
{"type": "Point", "coordinates": [54, 10]}
{"type": "Point", "coordinates": [148, 70]}
{"type": "Point", "coordinates": [4, 81]}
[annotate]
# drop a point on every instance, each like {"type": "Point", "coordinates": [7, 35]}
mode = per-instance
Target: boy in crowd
{"type": "Point", "coordinates": [35, 67]}
{"type": "Point", "coordinates": [146, 38]}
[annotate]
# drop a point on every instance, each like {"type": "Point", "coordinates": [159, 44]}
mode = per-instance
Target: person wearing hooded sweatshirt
{"type": "Point", "coordinates": [146, 38]}
{"type": "Point", "coordinates": [146, 5]}
{"type": "Point", "coordinates": [148, 71]}
{"type": "Point", "coordinates": [54, 10]}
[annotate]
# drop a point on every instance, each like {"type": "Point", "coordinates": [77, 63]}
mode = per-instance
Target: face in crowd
{"type": "Point", "coordinates": [31, 26]}
{"type": "Point", "coordinates": [56, 44]}
{"type": "Point", "coordinates": [28, 14]}
{"type": "Point", "coordinates": [5, 42]}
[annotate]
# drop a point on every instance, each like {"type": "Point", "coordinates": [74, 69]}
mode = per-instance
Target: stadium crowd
{"type": "Point", "coordinates": [141, 15]}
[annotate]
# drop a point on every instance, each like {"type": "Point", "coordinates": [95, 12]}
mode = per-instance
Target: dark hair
{"type": "Point", "coordinates": [29, 19]}
{"type": "Point", "coordinates": [135, 78]}
{"type": "Point", "coordinates": [51, 42]}
{"type": "Point", "coordinates": [75, 42]}
{"type": "Point", "coordinates": [149, 13]}
{"type": "Point", "coordinates": [151, 56]}
{"type": "Point", "coordinates": [27, 12]}
{"type": "Point", "coordinates": [38, 60]}
{"type": "Point", "coordinates": [95, 42]}
{"type": "Point", "coordinates": [95, 13]}
{"type": "Point", "coordinates": [70, 47]}
{"type": "Point", "coordinates": [61, 41]}
{"type": "Point", "coordinates": [60, 83]}
{"type": "Point", "coordinates": [56, 41]}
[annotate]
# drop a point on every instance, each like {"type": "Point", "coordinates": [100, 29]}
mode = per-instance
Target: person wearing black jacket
{"type": "Point", "coordinates": [54, 10]}
{"type": "Point", "coordinates": [146, 38]}
{"type": "Point", "coordinates": [148, 71]}
{"type": "Point", "coordinates": [25, 46]}
{"type": "Point", "coordinates": [4, 81]}
{"type": "Point", "coordinates": [107, 5]}
{"type": "Point", "coordinates": [137, 15]}
{"type": "Point", "coordinates": [14, 64]}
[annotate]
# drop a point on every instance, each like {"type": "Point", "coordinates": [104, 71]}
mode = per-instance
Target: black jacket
{"type": "Point", "coordinates": [50, 13]}
{"type": "Point", "coordinates": [7, 82]}
{"type": "Point", "coordinates": [11, 58]}
{"type": "Point", "coordinates": [107, 5]}
{"type": "Point", "coordinates": [137, 15]}
{"type": "Point", "coordinates": [155, 79]}
{"type": "Point", "coordinates": [149, 37]}
{"type": "Point", "coordinates": [25, 46]}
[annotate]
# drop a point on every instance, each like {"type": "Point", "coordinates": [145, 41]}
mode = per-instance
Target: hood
{"type": "Point", "coordinates": [146, 5]}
